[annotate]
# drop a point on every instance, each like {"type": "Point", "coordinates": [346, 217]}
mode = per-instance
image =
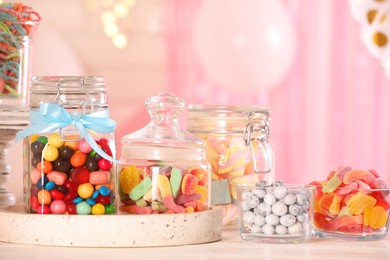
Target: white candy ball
{"type": "Point", "coordinates": [272, 219]}
{"type": "Point", "coordinates": [295, 210]}
{"type": "Point", "coordinates": [269, 199]}
{"type": "Point", "coordinates": [248, 217]}
{"type": "Point", "coordinates": [264, 209]}
{"type": "Point", "coordinates": [289, 199]}
{"type": "Point", "coordinates": [268, 229]}
{"type": "Point", "coordinates": [288, 220]}
{"type": "Point", "coordinates": [259, 220]}
{"type": "Point", "coordinates": [280, 192]}
{"type": "Point", "coordinates": [279, 208]}
{"type": "Point", "coordinates": [295, 229]}
{"type": "Point", "coordinates": [281, 230]}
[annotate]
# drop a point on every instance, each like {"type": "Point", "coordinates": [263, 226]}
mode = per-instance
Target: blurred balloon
{"type": "Point", "coordinates": [374, 16]}
{"type": "Point", "coordinates": [244, 45]}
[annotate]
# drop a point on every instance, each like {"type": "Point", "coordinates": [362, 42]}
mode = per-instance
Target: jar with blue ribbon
{"type": "Point", "coordinates": [69, 147]}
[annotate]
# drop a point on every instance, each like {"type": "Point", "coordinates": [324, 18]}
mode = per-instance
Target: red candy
{"type": "Point", "coordinates": [71, 208]}
{"type": "Point", "coordinates": [105, 200]}
{"type": "Point", "coordinates": [43, 209]}
{"type": "Point", "coordinates": [80, 175]}
{"type": "Point", "coordinates": [104, 164]}
{"type": "Point", "coordinates": [34, 203]}
{"type": "Point", "coordinates": [71, 186]}
{"type": "Point", "coordinates": [57, 195]}
{"type": "Point", "coordinates": [71, 195]}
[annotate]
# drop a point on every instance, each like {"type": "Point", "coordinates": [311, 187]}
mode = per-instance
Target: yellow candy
{"type": "Point", "coordinates": [50, 153]}
{"type": "Point", "coordinates": [85, 190]}
{"type": "Point", "coordinates": [202, 190]}
{"type": "Point", "coordinates": [33, 137]}
{"type": "Point", "coordinates": [378, 217]}
{"type": "Point", "coordinates": [55, 140]}
{"type": "Point", "coordinates": [98, 209]}
{"type": "Point", "coordinates": [359, 201]}
{"type": "Point", "coordinates": [129, 178]}
{"type": "Point", "coordinates": [44, 197]}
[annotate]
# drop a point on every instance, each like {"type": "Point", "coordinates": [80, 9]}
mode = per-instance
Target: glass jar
{"type": "Point", "coordinates": [237, 148]}
{"type": "Point", "coordinates": [15, 61]}
{"type": "Point", "coordinates": [163, 168]}
{"type": "Point", "coordinates": [69, 148]}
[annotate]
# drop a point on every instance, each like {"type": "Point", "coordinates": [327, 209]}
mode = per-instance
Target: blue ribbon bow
{"type": "Point", "coordinates": [53, 116]}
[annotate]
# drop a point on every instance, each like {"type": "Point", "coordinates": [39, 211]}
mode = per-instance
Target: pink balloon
{"type": "Point", "coordinates": [244, 45]}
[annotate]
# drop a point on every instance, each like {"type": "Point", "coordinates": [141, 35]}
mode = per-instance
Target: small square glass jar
{"type": "Point", "coordinates": [275, 213]}
{"type": "Point", "coordinates": [163, 167]}
{"type": "Point", "coordinates": [352, 214]}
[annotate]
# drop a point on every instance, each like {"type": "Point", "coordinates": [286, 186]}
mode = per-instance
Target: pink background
{"type": "Point", "coordinates": [332, 108]}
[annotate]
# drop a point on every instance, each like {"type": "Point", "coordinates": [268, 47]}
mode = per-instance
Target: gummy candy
{"type": "Point", "coordinates": [351, 201]}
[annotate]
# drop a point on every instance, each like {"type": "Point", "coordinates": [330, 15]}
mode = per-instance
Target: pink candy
{"type": "Point", "coordinates": [58, 177]}
{"type": "Point", "coordinates": [99, 177]}
{"type": "Point", "coordinates": [83, 146]}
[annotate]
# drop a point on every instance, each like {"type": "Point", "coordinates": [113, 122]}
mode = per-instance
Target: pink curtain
{"type": "Point", "coordinates": [332, 109]}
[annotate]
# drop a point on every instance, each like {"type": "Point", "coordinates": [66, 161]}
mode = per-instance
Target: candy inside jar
{"type": "Point", "coordinates": [163, 168]}
{"type": "Point", "coordinates": [237, 148]}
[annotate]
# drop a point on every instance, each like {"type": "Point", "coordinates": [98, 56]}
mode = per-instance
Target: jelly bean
{"type": "Point", "coordinates": [78, 159]}
{"type": "Point", "coordinates": [58, 178]}
{"type": "Point", "coordinates": [98, 209]}
{"type": "Point", "coordinates": [55, 140]}
{"type": "Point", "coordinates": [62, 166]}
{"type": "Point", "coordinates": [99, 177]}
{"type": "Point", "coordinates": [103, 142]}
{"type": "Point", "coordinates": [34, 202]}
{"type": "Point", "coordinates": [58, 207]}
{"type": "Point", "coordinates": [72, 143]}
{"type": "Point", "coordinates": [189, 184]}
{"type": "Point", "coordinates": [85, 190]}
{"type": "Point", "coordinates": [43, 209]}
{"type": "Point", "coordinates": [175, 180]}
{"type": "Point", "coordinates": [33, 137]}
{"type": "Point", "coordinates": [91, 164]}
{"type": "Point", "coordinates": [50, 185]}
{"type": "Point", "coordinates": [95, 194]}
{"type": "Point", "coordinates": [141, 189]}
{"type": "Point", "coordinates": [50, 153]}
{"type": "Point", "coordinates": [35, 175]}
{"type": "Point", "coordinates": [71, 195]}
{"type": "Point", "coordinates": [34, 190]}
{"type": "Point", "coordinates": [44, 197]}
{"type": "Point", "coordinates": [70, 185]}
{"type": "Point", "coordinates": [84, 146]}
{"type": "Point", "coordinates": [71, 208]}
{"type": "Point", "coordinates": [109, 209]}
{"type": "Point", "coordinates": [44, 166]}
{"type": "Point", "coordinates": [128, 179]}
{"type": "Point", "coordinates": [56, 195]}
{"type": "Point", "coordinates": [80, 175]}
{"type": "Point", "coordinates": [105, 200]}
{"type": "Point", "coordinates": [42, 182]}
{"type": "Point", "coordinates": [42, 139]}
{"type": "Point", "coordinates": [134, 209]}
{"type": "Point", "coordinates": [166, 193]}
{"type": "Point", "coordinates": [83, 208]}
{"type": "Point", "coordinates": [190, 209]}
{"type": "Point", "coordinates": [104, 191]}
{"type": "Point", "coordinates": [36, 159]}
{"type": "Point", "coordinates": [107, 149]}
{"type": "Point", "coordinates": [62, 189]}
{"type": "Point", "coordinates": [363, 175]}
{"type": "Point", "coordinates": [105, 164]}
{"type": "Point", "coordinates": [66, 152]}
{"type": "Point", "coordinates": [90, 201]}
{"type": "Point", "coordinates": [37, 148]}
{"type": "Point", "coordinates": [77, 200]}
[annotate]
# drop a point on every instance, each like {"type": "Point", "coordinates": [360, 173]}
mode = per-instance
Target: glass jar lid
{"type": "Point", "coordinates": [163, 138]}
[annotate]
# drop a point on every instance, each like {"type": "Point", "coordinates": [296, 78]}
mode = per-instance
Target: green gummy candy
{"type": "Point", "coordinates": [141, 189]}
{"type": "Point", "coordinates": [332, 184]}
{"type": "Point", "coordinates": [175, 180]}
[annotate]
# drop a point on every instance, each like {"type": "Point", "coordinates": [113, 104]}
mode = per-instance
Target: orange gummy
{"type": "Point", "coordinates": [359, 201]}
{"type": "Point", "coordinates": [334, 208]}
{"type": "Point", "coordinates": [376, 217]}
{"type": "Point", "coordinates": [362, 175]}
